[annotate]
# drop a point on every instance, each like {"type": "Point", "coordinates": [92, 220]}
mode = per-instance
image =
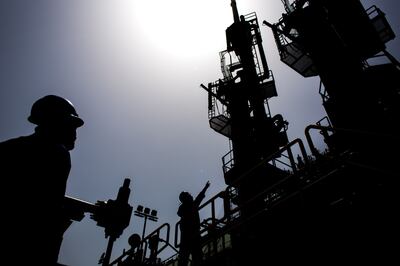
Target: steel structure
{"type": "Point", "coordinates": [332, 206]}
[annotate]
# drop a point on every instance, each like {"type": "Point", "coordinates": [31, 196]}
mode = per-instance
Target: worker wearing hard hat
{"type": "Point", "coordinates": [34, 170]}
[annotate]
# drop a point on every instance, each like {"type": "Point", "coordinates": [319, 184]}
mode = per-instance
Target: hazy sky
{"type": "Point", "coordinates": [133, 69]}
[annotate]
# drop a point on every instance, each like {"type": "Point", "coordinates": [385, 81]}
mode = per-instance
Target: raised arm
{"type": "Point", "coordinates": [202, 193]}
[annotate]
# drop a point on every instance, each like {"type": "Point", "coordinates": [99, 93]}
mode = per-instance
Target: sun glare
{"type": "Point", "coordinates": [182, 28]}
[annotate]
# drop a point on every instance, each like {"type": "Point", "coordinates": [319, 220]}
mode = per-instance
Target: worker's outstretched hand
{"type": "Point", "coordinates": [207, 185]}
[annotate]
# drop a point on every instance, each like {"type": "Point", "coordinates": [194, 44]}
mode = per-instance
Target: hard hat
{"type": "Point", "coordinates": [52, 109]}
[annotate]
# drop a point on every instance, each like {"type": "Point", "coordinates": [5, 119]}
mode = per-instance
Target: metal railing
{"type": "Point", "coordinates": [144, 244]}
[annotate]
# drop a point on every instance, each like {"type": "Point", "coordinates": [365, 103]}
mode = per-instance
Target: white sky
{"type": "Point", "coordinates": [133, 69]}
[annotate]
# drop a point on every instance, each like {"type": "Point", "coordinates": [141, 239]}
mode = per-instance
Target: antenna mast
{"type": "Point", "coordinates": [235, 11]}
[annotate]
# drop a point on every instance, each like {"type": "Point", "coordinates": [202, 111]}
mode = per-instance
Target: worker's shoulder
{"type": "Point", "coordinates": [13, 142]}
{"type": "Point", "coordinates": [33, 145]}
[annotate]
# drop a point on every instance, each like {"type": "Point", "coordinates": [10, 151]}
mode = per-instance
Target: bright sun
{"type": "Point", "coordinates": [182, 27]}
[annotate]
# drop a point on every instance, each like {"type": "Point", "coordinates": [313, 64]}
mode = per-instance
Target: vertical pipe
{"type": "Point", "coordinates": [227, 205]}
{"type": "Point", "coordinates": [291, 159]}
{"type": "Point", "coordinates": [106, 260]}
{"type": "Point", "coordinates": [213, 210]}
{"type": "Point", "coordinates": [144, 226]}
{"type": "Point", "coordinates": [235, 11]}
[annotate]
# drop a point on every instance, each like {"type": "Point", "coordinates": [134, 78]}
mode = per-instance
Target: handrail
{"type": "Point", "coordinates": [228, 212]}
{"type": "Point", "coordinates": [156, 232]}
{"type": "Point", "coordinates": [227, 165]}
{"type": "Point", "coordinates": [176, 234]}
{"type": "Point", "coordinates": [282, 162]}
{"type": "Point", "coordinates": [310, 142]}
{"type": "Point", "coordinates": [323, 92]}
{"type": "Point", "coordinates": [144, 241]}
{"type": "Point", "coordinates": [272, 156]}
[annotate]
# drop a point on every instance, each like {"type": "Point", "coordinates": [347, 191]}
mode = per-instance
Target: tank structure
{"type": "Point", "coordinates": [339, 202]}
{"type": "Point", "coordinates": [282, 204]}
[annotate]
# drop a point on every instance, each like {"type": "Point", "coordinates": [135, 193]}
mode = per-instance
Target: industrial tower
{"type": "Point", "coordinates": [338, 202]}
{"type": "Point", "coordinates": [333, 206]}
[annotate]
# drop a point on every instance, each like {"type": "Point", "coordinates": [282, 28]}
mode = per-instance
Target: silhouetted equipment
{"type": "Point", "coordinates": [145, 213]}
{"type": "Point", "coordinates": [114, 216]}
{"type": "Point", "coordinates": [134, 255]}
{"type": "Point", "coordinates": [237, 102]}
{"type": "Point", "coordinates": [145, 251]}
{"type": "Point", "coordinates": [336, 40]}
{"type": "Point", "coordinates": [337, 203]}
{"type": "Point", "coordinates": [75, 208]}
{"type": "Point", "coordinates": [282, 205]}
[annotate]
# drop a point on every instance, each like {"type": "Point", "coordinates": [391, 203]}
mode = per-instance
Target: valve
{"type": "Point", "coordinates": [114, 215]}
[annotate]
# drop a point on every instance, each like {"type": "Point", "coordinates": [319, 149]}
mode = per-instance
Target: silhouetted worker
{"type": "Point", "coordinates": [34, 172]}
{"type": "Point", "coordinates": [190, 227]}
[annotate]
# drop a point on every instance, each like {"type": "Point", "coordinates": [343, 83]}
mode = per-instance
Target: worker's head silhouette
{"type": "Point", "coordinates": [185, 197]}
{"type": "Point", "coordinates": [57, 119]}
{"type": "Point", "coordinates": [134, 241]}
